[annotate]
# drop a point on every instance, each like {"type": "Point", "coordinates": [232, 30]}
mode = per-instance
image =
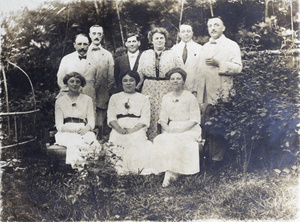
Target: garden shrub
{"type": "Point", "coordinates": [261, 115]}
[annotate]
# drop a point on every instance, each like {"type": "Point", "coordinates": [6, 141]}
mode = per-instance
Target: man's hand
{"type": "Point", "coordinates": [212, 62]}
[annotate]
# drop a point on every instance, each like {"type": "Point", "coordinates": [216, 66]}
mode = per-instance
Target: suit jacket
{"type": "Point", "coordinates": [191, 66]}
{"type": "Point", "coordinates": [72, 63]}
{"type": "Point", "coordinates": [103, 68]}
{"type": "Point", "coordinates": [122, 65]}
{"type": "Point", "coordinates": [217, 81]}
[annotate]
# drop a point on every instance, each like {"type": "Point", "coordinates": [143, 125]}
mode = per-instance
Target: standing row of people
{"type": "Point", "coordinates": [206, 74]}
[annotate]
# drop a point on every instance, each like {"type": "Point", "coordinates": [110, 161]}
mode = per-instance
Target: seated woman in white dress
{"type": "Point", "coordinates": [128, 115]}
{"type": "Point", "coordinates": [75, 120]}
{"type": "Point", "coordinates": [176, 149]}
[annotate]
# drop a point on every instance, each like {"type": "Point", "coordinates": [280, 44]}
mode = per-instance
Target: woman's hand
{"type": "Point", "coordinates": [68, 130]}
{"type": "Point", "coordinates": [84, 130]}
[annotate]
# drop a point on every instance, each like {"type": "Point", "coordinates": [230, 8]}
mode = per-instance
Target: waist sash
{"type": "Point", "coordinates": [127, 115]}
{"type": "Point", "coordinates": [155, 78]}
{"type": "Point", "coordinates": [74, 120]}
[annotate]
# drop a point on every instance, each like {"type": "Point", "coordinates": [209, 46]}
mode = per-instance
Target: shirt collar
{"type": "Point", "coordinates": [218, 40]}
{"type": "Point", "coordinates": [133, 54]}
{"type": "Point", "coordinates": [95, 46]}
{"type": "Point", "coordinates": [182, 43]}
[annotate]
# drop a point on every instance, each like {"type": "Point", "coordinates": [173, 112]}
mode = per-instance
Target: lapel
{"type": "Point", "coordinates": [136, 64]}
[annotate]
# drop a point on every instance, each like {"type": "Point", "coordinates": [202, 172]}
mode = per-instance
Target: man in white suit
{"type": "Point", "coordinates": [222, 59]}
{"type": "Point", "coordinates": [190, 53]}
{"type": "Point", "coordinates": [73, 62]}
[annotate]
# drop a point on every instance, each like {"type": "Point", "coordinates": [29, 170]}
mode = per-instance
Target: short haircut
{"type": "Point", "coordinates": [81, 34]}
{"type": "Point", "coordinates": [186, 23]}
{"type": "Point", "coordinates": [132, 74]}
{"type": "Point", "coordinates": [76, 75]}
{"type": "Point", "coordinates": [216, 17]}
{"type": "Point", "coordinates": [157, 30]}
{"type": "Point", "coordinates": [96, 26]}
{"type": "Point", "coordinates": [176, 70]}
{"type": "Point", "coordinates": [129, 35]}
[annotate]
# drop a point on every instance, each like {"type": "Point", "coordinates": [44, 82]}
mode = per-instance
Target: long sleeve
{"type": "Point", "coordinates": [141, 68]}
{"type": "Point", "coordinates": [59, 116]}
{"type": "Point", "coordinates": [163, 116]}
{"type": "Point", "coordinates": [111, 111]}
{"type": "Point", "coordinates": [117, 71]}
{"type": "Point", "coordinates": [90, 114]}
{"type": "Point", "coordinates": [194, 110]}
{"type": "Point", "coordinates": [62, 71]}
{"type": "Point", "coordinates": [145, 113]}
{"type": "Point", "coordinates": [233, 63]}
{"type": "Point", "coordinates": [110, 73]}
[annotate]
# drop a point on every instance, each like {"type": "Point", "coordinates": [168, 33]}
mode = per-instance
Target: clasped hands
{"type": "Point", "coordinates": [127, 130]}
{"type": "Point", "coordinates": [80, 131]}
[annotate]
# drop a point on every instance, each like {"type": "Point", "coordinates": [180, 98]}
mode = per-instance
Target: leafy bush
{"type": "Point", "coordinates": [261, 114]}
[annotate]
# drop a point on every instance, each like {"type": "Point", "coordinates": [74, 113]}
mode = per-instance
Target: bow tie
{"type": "Point", "coordinates": [82, 57]}
{"type": "Point", "coordinates": [213, 42]}
{"type": "Point", "coordinates": [95, 49]}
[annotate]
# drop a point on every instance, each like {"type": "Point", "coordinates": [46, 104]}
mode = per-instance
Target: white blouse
{"type": "Point", "coordinates": [82, 108]}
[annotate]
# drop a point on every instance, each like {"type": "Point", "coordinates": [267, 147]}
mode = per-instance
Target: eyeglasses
{"type": "Point", "coordinates": [97, 33]}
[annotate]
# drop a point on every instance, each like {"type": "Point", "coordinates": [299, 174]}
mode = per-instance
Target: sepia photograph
{"type": "Point", "coordinates": [149, 110]}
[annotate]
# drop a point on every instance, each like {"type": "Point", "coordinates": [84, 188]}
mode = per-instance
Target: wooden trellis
{"type": "Point", "coordinates": [17, 128]}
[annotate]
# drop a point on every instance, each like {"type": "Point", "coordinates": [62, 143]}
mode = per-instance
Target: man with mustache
{"type": "Point", "coordinates": [74, 62]}
{"type": "Point", "coordinates": [103, 63]}
{"type": "Point", "coordinates": [221, 60]}
{"type": "Point", "coordinates": [130, 60]}
{"type": "Point", "coordinates": [189, 52]}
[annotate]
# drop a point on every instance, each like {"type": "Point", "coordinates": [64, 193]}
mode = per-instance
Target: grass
{"type": "Point", "coordinates": [32, 191]}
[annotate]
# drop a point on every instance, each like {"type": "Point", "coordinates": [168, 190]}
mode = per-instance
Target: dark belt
{"type": "Point", "coordinates": [74, 120]}
{"type": "Point", "coordinates": [155, 78]}
{"type": "Point", "coordinates": [127, 115]}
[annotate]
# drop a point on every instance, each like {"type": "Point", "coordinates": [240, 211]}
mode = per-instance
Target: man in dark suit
{"type": "Point", "coordinates": [130, 60]}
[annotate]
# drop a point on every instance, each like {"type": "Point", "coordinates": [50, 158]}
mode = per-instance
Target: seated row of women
{"type": "Point", "coordinates": [174, 151]}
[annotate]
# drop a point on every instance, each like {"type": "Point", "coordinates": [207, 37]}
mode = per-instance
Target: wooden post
{"type": "Point", "coordinates": [6, 98]}
{"type": "Point", "coordinates": [211, 9]}
{"type": "Point", "coordinates": [120, 23]}
{"type": "Point", "coordinates": [180, 19]}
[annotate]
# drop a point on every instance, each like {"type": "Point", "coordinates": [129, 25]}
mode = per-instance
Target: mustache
{"type": "Point", "coordinates": [96, 39]}
{"type": "Point", "coordinates": [82, 50]}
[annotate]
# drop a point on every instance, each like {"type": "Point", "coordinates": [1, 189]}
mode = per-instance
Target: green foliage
{"type": "Point", "coordinates": [262, 113]}
{"type": "Point", "coordinates": [32, 192]}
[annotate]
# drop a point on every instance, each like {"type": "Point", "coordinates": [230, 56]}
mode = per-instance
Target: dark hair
{"type": "Point", "coordinates": [189, 23]}
{"type": "Point", "coordinates": [129, 35]}
{"type": "Point", "coordinates": [157, 30]}
{"type": "Point", "coordinates": [76, 75]}
{"type": "Point", "coordinates": [218, 17]}
{"type": "Point", "coordinates": [132, 74]}
{"type": "Point", "coordinates": [176, 70]}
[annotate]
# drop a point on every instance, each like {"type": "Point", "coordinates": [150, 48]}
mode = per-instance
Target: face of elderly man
{"type": "Point", "coordinates": [96, 35]}
{"type": "Point", "coordinates": [81, 44]}
{"type": "Point", "coordinates": [186, 33]}
{"type": "Point", "coordinates": [215, 27]}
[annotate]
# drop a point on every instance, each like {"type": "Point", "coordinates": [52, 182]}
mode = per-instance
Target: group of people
{"type": "Point", "coordinates": [155, 111]}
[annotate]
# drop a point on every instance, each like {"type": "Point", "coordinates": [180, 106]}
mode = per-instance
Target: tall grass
{"type": "Point", "coordinates": [33, 192]}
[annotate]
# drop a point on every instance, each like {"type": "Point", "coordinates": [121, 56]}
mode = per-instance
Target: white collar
{"type": "Point", "coordinates": [133, 54]}
{"type": "Point", "coordinates": [218, 40]}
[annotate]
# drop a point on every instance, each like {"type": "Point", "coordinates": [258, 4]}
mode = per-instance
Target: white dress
{"type": "Point", "coordinates": [129, 110]}
{"type": "Point", "coordinates": [77, 146]}
{"type": "Point", "coordinates": [178, 152]}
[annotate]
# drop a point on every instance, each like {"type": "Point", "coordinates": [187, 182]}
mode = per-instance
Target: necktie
{"type": "Point", "coordinates": [82, 57]}
{"type": "Point", "coordinates": [95, 49]}
{"type": "Point", "coordinates": [184, 54]}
